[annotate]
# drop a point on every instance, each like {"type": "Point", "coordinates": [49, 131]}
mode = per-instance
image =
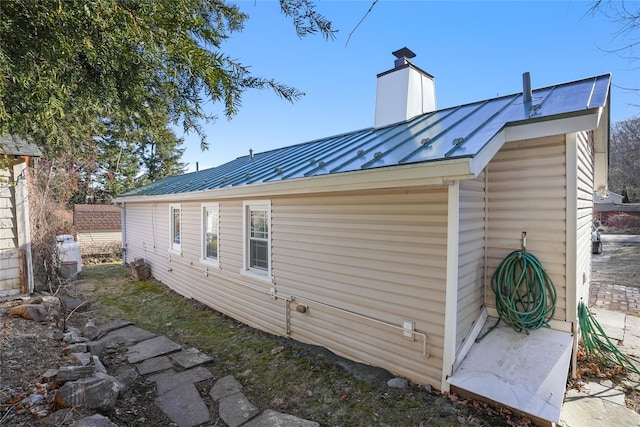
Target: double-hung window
{"type": "Point", "coordinates": [257, 238]}
{"type": "Point", "coordinates": [176, 228]}
{"type": "Point", "coordinates": [210, 233]}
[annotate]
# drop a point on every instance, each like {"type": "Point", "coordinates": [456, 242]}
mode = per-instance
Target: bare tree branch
{"type": "Point", "coordinates": [361, 20]}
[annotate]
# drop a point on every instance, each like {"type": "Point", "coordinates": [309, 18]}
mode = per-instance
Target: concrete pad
{"type": "Point", "coordinates": [127, 335]}
{"type": "Point", "coordinates": [169, 380]}
{"type": "Point", "coordinates": [113, 325]}
{"type": "Point", "coordinates": [151, 348]}
{"type": "Point", "coordinates": [612, 322]}
{"type": "Point", "coordinates": [235, 410]}
{"type": "Point", "coordinates": [581, 410]}
{"type": "Point", "coordinates": [225, 386]}
{"type": "Point", "coordinates": [154, 364]}
{"type": "Point", "coordinates": [270, 418]}
{"type": "Point", "coordinates": [605, 389]}
{"type": "Point", "coordinates": [631, 340]}
{"type": "Point", "coordinates": [184, 406]}
{"type": "Point", "coordinates": [190, 357]}
{"type": "Point", "coordinates": [525, 372]}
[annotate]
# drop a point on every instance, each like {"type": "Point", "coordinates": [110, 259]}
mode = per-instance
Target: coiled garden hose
{"type": "Point", "coordinates": [596, 344]}
{"type": "Point", "coordinates": [525, 295]}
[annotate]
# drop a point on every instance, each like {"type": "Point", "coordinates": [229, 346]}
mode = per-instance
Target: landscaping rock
{"type": "Point", "coordinates": [270, 418]}
{"type": "Point", "coordinates": [113, 325]}
{"type": "Point", "coordinates": [84, 358]}
{"type": "Point", "coordinates": [99, 392]}
{"type": "Point", "coordinates": [73, 373]}
{"type": "Point", "coordinates": [34, 312]}
{"type": "Point", "coordinates": [91, 332]}
{"type": "Point", "coordinates": [95, 420]}
{"type": "Point", "coordinates": [398, 383]}
{"type": "Point", "coordinates": [75, 348]}
{"type": "Point", "coordinates": [127, 377]}
{"type": "Point", "coordinates": [72, 304]}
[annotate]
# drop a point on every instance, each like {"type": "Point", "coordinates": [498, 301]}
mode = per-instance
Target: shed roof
{"type": "Point", "coordinates": [96, 217]}
{"type": "Point", "coordinates": [16, 146]}
{"type": "Point", "coordinates": [451, 133]}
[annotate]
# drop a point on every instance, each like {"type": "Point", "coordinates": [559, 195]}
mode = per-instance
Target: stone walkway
{"type": "Point", "coordinates": [176, 370]}
{"type": "Point", "coordinates": [600, 402]}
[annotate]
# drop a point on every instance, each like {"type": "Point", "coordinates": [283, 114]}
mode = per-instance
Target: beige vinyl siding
{"type": "Point", "coordinates": [361, 263]}
{"type": "Point", "coordinates": [357, 259]}
{"type": "Point", "coordinates": [99, 237]}
{"type": "Point", "coordinates": [224, 289]}
{"type": "Point", "coordinates": [471, 255]}
{"type": "Point", "coordinates": [526, 191]}
{"type": "Point", "coordinates": [584, 213]}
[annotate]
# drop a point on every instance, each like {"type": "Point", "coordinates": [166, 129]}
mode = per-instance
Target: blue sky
{"type": "Point", "coordinates": [475, 50]}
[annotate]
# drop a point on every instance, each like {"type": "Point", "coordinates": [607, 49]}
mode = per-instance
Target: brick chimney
{"type": "Point", "coordinates": [403, 92]}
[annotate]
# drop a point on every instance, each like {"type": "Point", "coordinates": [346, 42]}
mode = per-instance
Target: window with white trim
{"type": "Point", "coordinates": [176, 228]}
{"type": "Point", "coordinates": [210, 233]}
{"type": "Point", "coordinates": [257, 237]}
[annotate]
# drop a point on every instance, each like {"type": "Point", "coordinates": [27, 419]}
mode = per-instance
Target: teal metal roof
{"type": "Point", "coordinates": [451, 133]}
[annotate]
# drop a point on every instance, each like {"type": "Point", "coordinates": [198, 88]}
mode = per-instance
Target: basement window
{"type": "Point", "coordinates": [176, 229]}
{"type": "Point", "coordinates": [210, 233]}
{"type": "Point", "coordinates": [257, 238]}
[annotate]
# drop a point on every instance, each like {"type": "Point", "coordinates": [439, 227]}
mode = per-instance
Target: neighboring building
{"type": "Point", "coordinates": [16, 268]}
{"type": "Point", "coordinates": [380, 244]}
{"type": "Point", "coordinates": [609, 204]}
{"type": "Point", "coordinates": [98, 227]}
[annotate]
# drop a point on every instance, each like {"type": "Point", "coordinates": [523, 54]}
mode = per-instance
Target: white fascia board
{"type": "Point", "coordinates": [414, 175]}
{"type": "Point", "coordinates": [539, 129]}
{"type": "Point", "coordinates": [560, 126]}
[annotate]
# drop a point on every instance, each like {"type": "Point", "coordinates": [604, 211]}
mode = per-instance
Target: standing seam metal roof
{"type": "Point", "coordinates": [455, 132]}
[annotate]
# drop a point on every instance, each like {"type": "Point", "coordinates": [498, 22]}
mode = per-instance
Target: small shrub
{"type": "Point", "coordinates": [623, 223]}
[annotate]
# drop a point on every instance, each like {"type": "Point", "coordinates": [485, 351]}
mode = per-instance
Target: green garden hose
{"type": "Point", "coordinates": [525, 295]}
{"type": "Point", "coordinates": [596, 344]}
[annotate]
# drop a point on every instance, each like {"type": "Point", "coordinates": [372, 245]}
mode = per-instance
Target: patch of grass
{"type": "Point", "coordinates": [295, 379]}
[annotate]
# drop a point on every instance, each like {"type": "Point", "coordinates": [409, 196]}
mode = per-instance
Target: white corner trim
{"type": "Point", "coordinates": [451, 287]}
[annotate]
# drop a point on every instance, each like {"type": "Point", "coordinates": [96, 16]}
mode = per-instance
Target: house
{"type": "Point", "coordinates": [16, 268]}
{"type": "Point", "coordinates": [608, 204]}
{"type": "Point", "coordinates": [98, 228]}
{"type": "Point", "coordinates": [380, 244]}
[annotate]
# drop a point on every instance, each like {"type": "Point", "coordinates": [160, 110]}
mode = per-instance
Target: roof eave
{"type": "Point", "coordinates": [584, 120]}
{"type": "Point", "coordinates": [413, 175]}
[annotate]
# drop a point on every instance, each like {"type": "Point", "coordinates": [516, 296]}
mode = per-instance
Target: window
{"type": "Point", "coordinates": [210, 231]}
{"type": "Point", "coordinates": [176, 228]}
{"type": "Point", "coordinates": [257, 241]}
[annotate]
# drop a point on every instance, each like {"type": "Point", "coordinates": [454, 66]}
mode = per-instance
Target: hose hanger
{"type": "Point", "coordinates": [525, 295]}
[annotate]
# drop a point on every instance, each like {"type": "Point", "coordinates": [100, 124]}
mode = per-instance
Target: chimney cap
{"type": "Point", "coordinates": [404, 53]}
